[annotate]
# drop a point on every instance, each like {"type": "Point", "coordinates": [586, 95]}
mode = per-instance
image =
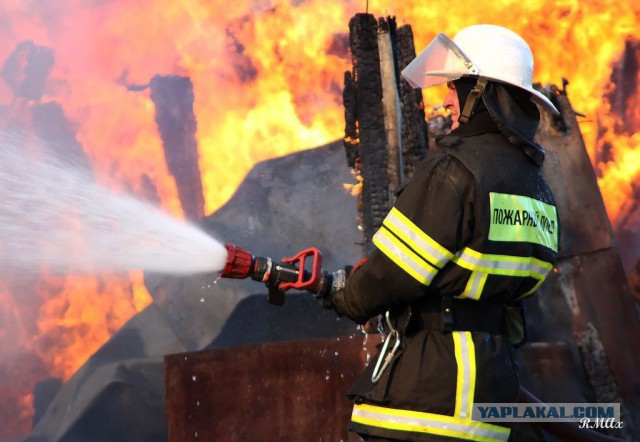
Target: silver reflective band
{"type": "Point", "coordinates": [465, 359]}
{"type": "Point", "coordinates": [473, 289]}
{"type": "Point", "coordinates": [502, 264]}
{"type": "Point", "coordinates": [417, 239]}
{"type": "Point", "coordinates": [404, 257]}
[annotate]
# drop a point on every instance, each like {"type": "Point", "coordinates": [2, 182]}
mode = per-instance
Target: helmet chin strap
{"type": "Point", "coordinates": [472, 100]}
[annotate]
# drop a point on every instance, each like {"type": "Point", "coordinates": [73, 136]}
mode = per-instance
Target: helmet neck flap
{"type": "Point", "coordinates": [511, 108]}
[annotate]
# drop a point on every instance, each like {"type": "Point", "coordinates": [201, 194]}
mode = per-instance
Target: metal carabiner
{"type": "Point", "coordinates": [393, 334]}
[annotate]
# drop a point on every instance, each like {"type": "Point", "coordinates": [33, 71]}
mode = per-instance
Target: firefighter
{"type": "Point", "coordinates": [472, 234]}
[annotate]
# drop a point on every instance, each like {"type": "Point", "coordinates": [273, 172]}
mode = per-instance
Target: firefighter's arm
{"type": "Point", "coordinates": [421, 233]}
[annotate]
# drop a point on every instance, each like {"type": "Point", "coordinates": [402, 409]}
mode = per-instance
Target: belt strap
{"type": "Point", "coordinates": [450, 314]}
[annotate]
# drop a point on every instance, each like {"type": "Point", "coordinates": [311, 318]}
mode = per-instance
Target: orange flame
{"type": "Point", "coordinates": [82, 315]}
{"type": "Point", "coordinates": [267, 79]}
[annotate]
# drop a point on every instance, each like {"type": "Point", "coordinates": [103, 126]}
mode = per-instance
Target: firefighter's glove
{"type": "Point", "coordinates": [339, 280]}
{"type": "Point", "coordinates": [335, 282]}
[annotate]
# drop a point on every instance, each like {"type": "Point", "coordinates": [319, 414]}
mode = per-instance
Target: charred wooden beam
{"type": "Point", "coordinates": [26, 69]}
{"type": "Point", "coordinates": [372, 149]}
{"type": "Point", "coordinates": [627, 85]}
{"type": "Point", "coordinates": [173, 98]}
{"type": "Point", "coordinates": [598, 370]}
{"type": "Point", "coordinates": [391, 104]}
{"type": "Point", "coordinates": [351, 140]}
{"type": "Point", "coordinates": [385, 131]}
{"type": "Point", "coordinates": [623, 99]}
{"type": "Point", "coordinates": [414, 125]}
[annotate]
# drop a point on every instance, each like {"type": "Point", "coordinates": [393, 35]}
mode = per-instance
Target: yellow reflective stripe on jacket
{"type": "Point", "coordinates": [419, 422]}
{"type": "Point", "coordinates": [533, 289]}
{"type": "Point", "coordinates": [484, 264]}
{"type": "Point", "coordinates": [474, 286]}
{"type": "Point", "coordinates": [418, 240]}
{"type": "Point", "coordinates": [465, 351]}
{"type": "Point", "coordinates": [504, 265]}
{"type": "Point", "coordinates": [403, 256]}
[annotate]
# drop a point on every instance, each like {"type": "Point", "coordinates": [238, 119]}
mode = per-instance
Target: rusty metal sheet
{"type": "Point", "coordinates": [586, 305]}
{"type": "Point", "coordinates": [542, 358]}
{"type": "Point", "coordinates": [589, 274]}
{"type": "Point", "coordinates": [585, 226]}
{"type": "Point", "coordinates": [278, 391]}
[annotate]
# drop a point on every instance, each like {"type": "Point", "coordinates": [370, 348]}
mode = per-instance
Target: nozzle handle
{"type": "Point", "coordinates": [307, 280]}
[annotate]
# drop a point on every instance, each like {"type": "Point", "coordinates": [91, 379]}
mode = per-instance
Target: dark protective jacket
{"type": "Point", "coordinates": [475, 231]}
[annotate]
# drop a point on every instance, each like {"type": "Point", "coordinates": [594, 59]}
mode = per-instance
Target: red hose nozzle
{"type": "Point", "coordinates": [238, 263]}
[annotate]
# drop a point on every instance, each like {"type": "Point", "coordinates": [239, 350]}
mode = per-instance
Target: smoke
{"type": "Point", "coordinates": [55, 216]}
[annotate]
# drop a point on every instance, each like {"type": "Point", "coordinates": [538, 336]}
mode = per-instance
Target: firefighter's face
{"type": "Point", "coordinates": [452, 103]}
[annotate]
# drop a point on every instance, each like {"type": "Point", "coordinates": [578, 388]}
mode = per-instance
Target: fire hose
{"type": "Point", "coordinates": [303, 271]}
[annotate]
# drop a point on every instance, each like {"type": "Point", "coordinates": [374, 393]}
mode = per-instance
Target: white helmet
{"type": "Point", "coordinates": [485, 51]}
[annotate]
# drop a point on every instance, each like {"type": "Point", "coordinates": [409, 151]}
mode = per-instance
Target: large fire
{"type": "Point", "coordinates": [267, 78]}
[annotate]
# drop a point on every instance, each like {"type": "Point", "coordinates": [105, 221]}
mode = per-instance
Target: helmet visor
{"type": "Point", "coordinates": [440, 62]}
